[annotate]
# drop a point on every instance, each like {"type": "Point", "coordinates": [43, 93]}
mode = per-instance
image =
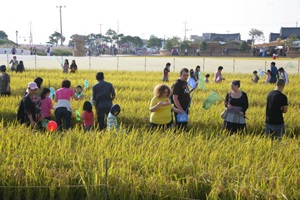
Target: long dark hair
{"type": "Point", "coordinates": [44, 92]}
{"type": "Point", "coordinates": [87, 106]}
{"type": "Point", "coordinates": [38, 81]}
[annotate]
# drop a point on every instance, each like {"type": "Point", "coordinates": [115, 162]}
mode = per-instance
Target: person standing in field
{"type": "Point", "coordinates": [166, 73]}
{"type": "Point", "coordinates": [274, 73]}
{"type": "Point", "coordinates": [218, 75]}
{"type": "Point", "coordinates": [66, 66]}
{"type": "Point", "coordinates": [20, 67]}
{"type": "Point", "coordinates": [181, 97]}
{"type": "Point", "coordinates": [197, 72]}
{"type": "Point", "coordinates": [112, 121]}
{"type": "Point", "coordinates": [87, 116]}
{"type": "Point", "coordinates": [4, 82]}
{"type": "Point", "coordinates": [283, 75]}
{"type": "Point", "coordinates": [255, 77]}
{"type": "Point", "coordinates": [46, 104]}
{"type": "Point", "coordinates": [63, 106]}
{"type": "Point", "coordinates": [161, 108]}
{"type": "Point", "coordinates": [277, 103]}
{"type": "Point", "coordinates": [14, 62]}
{"type": "Point", "coordinates": [236, 102]}
{"type": "Point", "coordinates": [103, 95]}
{"type": "Point", "coordinates": [73, 67]}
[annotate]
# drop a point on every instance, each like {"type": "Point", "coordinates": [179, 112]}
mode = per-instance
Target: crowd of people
{"type": "Point", "coordinates": [169, 105]}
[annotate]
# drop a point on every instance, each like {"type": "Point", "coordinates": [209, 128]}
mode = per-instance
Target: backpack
{"type": "Point", "coordinates": [21, 112]}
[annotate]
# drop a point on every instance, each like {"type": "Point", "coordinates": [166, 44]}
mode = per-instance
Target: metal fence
{"type": "Point", "coordinates": [155, 63]}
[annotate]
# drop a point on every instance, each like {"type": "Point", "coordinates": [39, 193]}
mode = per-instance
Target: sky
{"type": "Point", "coordinates": [162, 18]}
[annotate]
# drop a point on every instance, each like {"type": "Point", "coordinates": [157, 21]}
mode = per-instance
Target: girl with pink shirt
{"type": "Point", "coordinates": [46, 104]}
{"type": "Point", "coordinates": [63, 106]}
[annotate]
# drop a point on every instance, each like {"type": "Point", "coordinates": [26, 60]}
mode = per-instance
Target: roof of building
{"type": "Point", "coordinates": [221, 37]}
{"type": "Point", "coordinates": [274, 36]}
{"type": "Point", "coordinates": [286, 32]}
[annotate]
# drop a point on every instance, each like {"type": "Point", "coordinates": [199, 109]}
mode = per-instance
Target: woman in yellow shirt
{"type": "Point", "coordinates": [161, 107]}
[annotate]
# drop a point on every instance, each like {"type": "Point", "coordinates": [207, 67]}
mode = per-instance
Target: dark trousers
{"type": "Point", "coordinates": [101, 112]}
{"type": "Point", "coordinates": [163, 127]}
{"type": "Point", "coordinates": [63, 113]}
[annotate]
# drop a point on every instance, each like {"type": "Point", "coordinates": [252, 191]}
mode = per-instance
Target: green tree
{"type": "Point", "coordinates": [203, 46]}
{"type": "Point", "coordinates": [185, 45]}
{"type": "Point", "coordinates": [256, 35]}
{"type": "Point", "coordinates": [154, 42]}
{"type": "Point", "coordinates": [244, 46]}
{"type": "Point", "coordinates": [111, 35]}
{"type": "Point", "coordinates": [130, 42]}
{"type": "Point", "coordinates": [292, 38]}
{"type": "Point", "coordinates": [55, 38]}
{"type": "Point", "coordinates": [3, 35]}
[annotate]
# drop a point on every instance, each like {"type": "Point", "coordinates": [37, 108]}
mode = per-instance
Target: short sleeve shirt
{"type": "Point", "coordinates": [181, 89]}
{"type": "Point", "coordinates": [64, 93]}
{"type": "Point", "coordinates": [275, 101]}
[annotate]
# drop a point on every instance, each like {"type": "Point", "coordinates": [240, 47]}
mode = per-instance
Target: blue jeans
{"type": "Point", "coordinates": [63, 113]}
{"type": "Point", "coordinates": [275, 131]}
{"type": "Point", "coordinates": [101, 112]}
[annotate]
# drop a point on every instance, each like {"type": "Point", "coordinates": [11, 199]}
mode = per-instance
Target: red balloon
{"type": "Point", "coordinates": [52, 126]}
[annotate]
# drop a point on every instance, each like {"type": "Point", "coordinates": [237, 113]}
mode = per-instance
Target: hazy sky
{"type": "Point", "coordinates": [162, 18]}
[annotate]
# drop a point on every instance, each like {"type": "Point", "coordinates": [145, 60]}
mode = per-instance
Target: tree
{"type": "Point", "coordinates": [203, 46]}
{"type": "Point", "coordinates": [154, 42]}
{"type": "Point", "coordinates": [55, 37]}
{"type": "Point", "coordinates": [256, 35]}
{"type": "Point", "coordinates": [111, 36]}
{"type": "Point", "coordinates": [292, 38]}
{"type": "Point", "coordinates": [173, 42]}
{"type": "Point", "coordinates": [185, 44]}
{"type": "Point", "coordinates": [129, 42]}
{"type": "Point", "coordinates": [244, 46]}
{"type": "Point", "coordinates": [3, 35]}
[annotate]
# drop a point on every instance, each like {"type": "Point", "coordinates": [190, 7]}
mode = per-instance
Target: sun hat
{"type": "Point", "coordinates": [33, 86]}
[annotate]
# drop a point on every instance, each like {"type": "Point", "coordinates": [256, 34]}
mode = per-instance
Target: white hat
{"type": "Point", "coordinates": [33, 86]}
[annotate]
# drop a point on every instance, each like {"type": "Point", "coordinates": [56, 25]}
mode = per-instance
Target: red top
{"type": "Point", "coordinates": [88, 118]}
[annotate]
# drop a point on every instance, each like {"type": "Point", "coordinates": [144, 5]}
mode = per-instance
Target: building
{"type": "Point", "coordinates": [209, 37]}
{"type": "Point", "coordinates": [285, 32]}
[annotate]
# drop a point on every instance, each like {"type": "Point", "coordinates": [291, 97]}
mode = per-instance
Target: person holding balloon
{"type": "Point", "coordinates": [63, 109]}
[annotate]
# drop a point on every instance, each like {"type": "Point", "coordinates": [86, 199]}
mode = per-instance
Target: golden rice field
{"type": "Point", "coordinates": [204, 163]}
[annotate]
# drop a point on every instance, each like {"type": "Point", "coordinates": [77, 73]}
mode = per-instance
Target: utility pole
{"type": "Point", "coordinates": [30, 34]}
{"type": "Point", "coordinates": [61, 35]}
{"type": "Point", "coordinates": [17, 38]}
{"type": "Point", "coordinates": [185, 30]}
{"type": "Point", "coordinates": [118, 27]}
{"type": "Point", "coordinates": [100, 28]}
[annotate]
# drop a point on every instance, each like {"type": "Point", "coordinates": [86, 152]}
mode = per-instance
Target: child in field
{"type": "Point", "coordinates": [112, 122]}
{"type": "Point", "coordinates": [87, 116]}
{"type": "Point", "coordinates": [79, 91]}
{"type": "Point", "coordinates": [46, 104]}
{"type": "Point", "coordinates": [269, 74]}
{"type": "Point", "coordinates": [255, 77]}
{"type": "Point", "coordinates": [166, 73]}
{"type": "Point", "coordinates": [206, 78]}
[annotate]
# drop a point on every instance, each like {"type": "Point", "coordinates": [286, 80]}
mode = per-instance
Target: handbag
{"type": "Point", "coordinates": [224, 113]}
{"type": "Point", "coordinates": [183, 117]}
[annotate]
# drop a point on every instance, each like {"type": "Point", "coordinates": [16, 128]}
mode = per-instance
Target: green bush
{"type": "Point", "coordinates": [6, 42]}
{"type": "Point", "coordinates": [62, 52]}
